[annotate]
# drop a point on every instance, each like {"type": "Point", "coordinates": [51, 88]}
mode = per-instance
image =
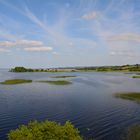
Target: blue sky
{"type": "Point", "coordinates": [55, 33]}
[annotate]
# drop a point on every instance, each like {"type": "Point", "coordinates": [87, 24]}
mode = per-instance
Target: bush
{"type": "Point", "coordinates": [45, 131]}
{"type": "Point", "coordinates": [19, 69]}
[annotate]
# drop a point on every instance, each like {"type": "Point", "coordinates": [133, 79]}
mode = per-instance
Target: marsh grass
{"type": "Point", "coordinates": [15, 81]}
{"type": "Point", "coordinates": [135, 96]}
{"type": "Point", "coordinates": [64, 76]}
{"type": "Point", "coordinates": [132, 133]}
{"type": "Point", "coordinates": [58, 82]}
{"type": "Point", "coordinates": [136, 76]}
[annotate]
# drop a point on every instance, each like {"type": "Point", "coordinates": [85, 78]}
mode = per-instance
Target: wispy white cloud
{"type": "Point", "coordinates": [28, 45]}
{"type": "Point", "coordinates": [112, 28]}
{"type": "Point", "coordinates": [124, 53]}
{"type": "Point", "coordinates": [125, 37]}
{"type": "Point", "coordinates": [55, 33]}
{"type": "Point", "coordinates": [5, 34]}
{"type": "Point", "coordinates": [39, 49]}
{"type": "Point", "coordinates": [23, 42]}
{"type": "Point", "coordinates": [55, 53]}
{"type": "Point", "coordinates": [90, 16]}
{"type": "Point", "coordinates": [43, 25]}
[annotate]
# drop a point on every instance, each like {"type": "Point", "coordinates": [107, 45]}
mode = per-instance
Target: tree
{"type": "Point", "coordinates": [19, 69]}
{"type": "Point", "coordinates": [47, 130]}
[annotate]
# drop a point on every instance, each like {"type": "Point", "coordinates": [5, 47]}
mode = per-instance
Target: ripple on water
{"type": "Point", "coordinates": [88, 104]}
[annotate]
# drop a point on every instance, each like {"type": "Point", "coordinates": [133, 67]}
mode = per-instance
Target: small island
{"type": "Point", "coordinates": [65, 76]}
{"type": "Point", "coordinates": [135, 96]}
{"type": "Point", "coordinates": [58, 82]}
{"type": "Point", "coordinates": [15, 81]}
{"type": "Point", "coordinates": [136, 76]}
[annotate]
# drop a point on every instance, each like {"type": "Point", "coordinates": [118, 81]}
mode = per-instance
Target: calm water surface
{"type": "Point", "coordinates": [88, 103]}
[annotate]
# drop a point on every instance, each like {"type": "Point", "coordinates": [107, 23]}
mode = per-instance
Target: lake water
{"type": "Point", "coordinates": [88, 103]}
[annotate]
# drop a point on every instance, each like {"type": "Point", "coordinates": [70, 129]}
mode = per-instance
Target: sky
{"type": "Point", "coordinates": [62, 33]}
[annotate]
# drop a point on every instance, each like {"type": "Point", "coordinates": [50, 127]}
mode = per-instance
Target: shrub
{"type": "Point", "coordinates": [45, 131]}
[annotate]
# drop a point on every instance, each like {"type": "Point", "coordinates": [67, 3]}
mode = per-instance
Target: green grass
{"type": "Point", "coordinates": [132, 133]}
{"type": "Point", "coordinates": [136, 76]}
{"type": "Point", "coordinates": [15, 81]}
{"type": "Point", "coordinates": [135, 96]}
{"type": "Point", "coordinates": [64, 76]}
{"type": "Point", "coordinates": [58, 82]}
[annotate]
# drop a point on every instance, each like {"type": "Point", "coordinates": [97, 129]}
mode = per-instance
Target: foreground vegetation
{"type": "Point", "coordinates": [135, 96]}
{"type": "Point", "coordinates": [50, 130]}
{"type": "Point", "coordinates": [133, 133]}
{"type": "Point", "coordinates": [123, 68]}
{"type": "Point", "coordinates": [58, 82]}
{"type": "Point", "coordinates": [65, 76]}
{"type": "Point", "coordinates": [45, 131]}
{"type": "Point", "coordinates": [15, 81]}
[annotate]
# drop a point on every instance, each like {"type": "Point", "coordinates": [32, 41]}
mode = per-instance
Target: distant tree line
{"type": "Point", "coordinates": [135, 67]}
{"type": "Point", "coordinates": [23, 69]}
{"type": "Point", "coordinates": [130, 68]}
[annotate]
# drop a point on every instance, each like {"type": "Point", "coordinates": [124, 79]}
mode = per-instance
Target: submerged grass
{"type": "Point", "coordinates": [58, 82]}
{"type": "Point", "coordinates": [64, 76]}
{"type": "Point", "coordinates": [15, 81]}
{"type": "Point", "coordinates": [135, 96]}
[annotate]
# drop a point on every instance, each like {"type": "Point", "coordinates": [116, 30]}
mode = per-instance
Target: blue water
{"type": "Point", "coordinates": [88, 103]}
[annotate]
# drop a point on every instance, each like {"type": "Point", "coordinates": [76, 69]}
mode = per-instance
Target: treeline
{"type": "Point", "coordinates": [130, 68]}
{"type": "Point", "coordinates": [127, 68]}
{"type": "Point", "coordinates": [23, 69]}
